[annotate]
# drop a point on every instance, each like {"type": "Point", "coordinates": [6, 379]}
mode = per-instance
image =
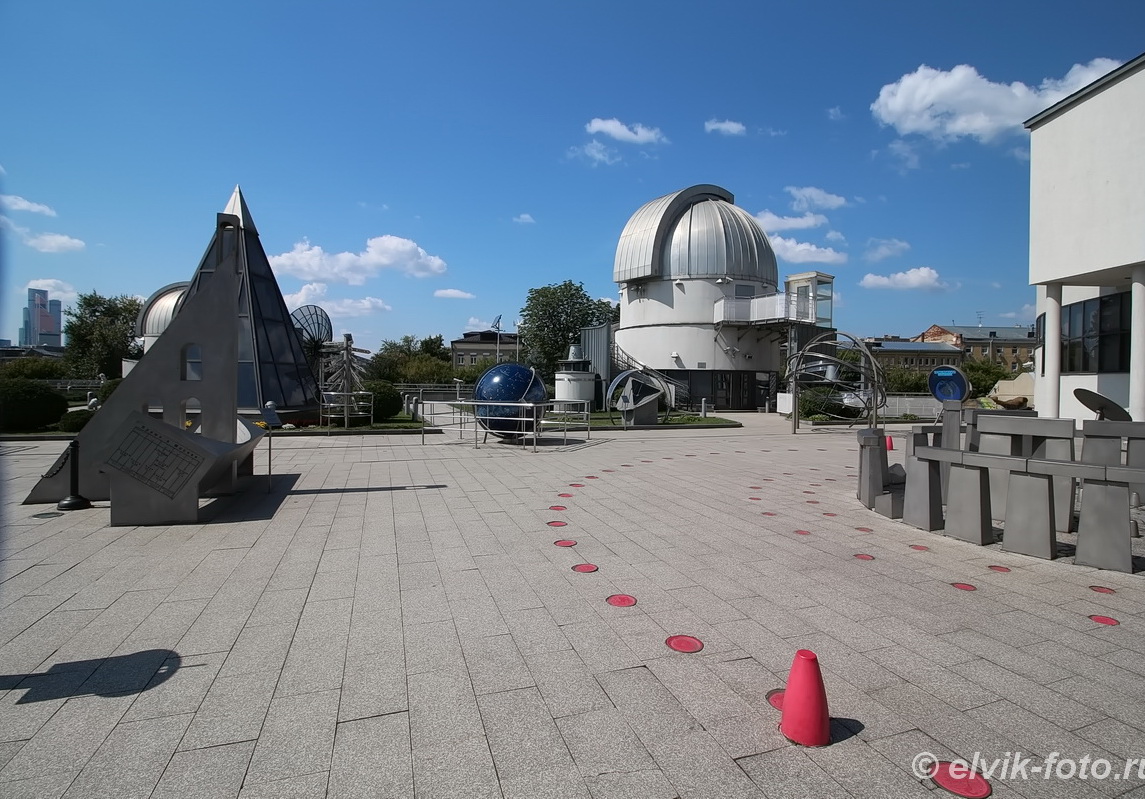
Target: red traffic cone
{"type": "Point", "coordinates": [890, 443]}
{"type": "Point", "coordinates": [805, 718]}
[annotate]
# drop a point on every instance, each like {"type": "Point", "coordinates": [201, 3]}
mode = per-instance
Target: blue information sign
{"type": "Point", "coordinates": [948, 383]}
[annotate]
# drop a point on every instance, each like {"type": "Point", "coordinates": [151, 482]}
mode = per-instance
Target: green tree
{"type": "Point", "coordinates": [552, 318]}
{"type": "Point", "coordinates": [434, 347]}
{"type": "Point", "coordinates": [100, 333]}
{"type": "Point", "coordinates": [410, 360]}
{"type": "Point", "coordinates": [983, 375]}
{"type": "Point", "coordinates": [470, 374]}
{"type": "Point", "coordinates": [34, 368]}
{"type": "Point", "coordinates": [901, 380]}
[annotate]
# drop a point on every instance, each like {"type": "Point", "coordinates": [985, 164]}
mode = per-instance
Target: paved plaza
{"type": "Point", "coordinates": [394, 619]}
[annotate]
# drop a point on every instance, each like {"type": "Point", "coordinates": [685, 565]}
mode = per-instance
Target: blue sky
{"type": "Point", "coordinates": [416, 168]}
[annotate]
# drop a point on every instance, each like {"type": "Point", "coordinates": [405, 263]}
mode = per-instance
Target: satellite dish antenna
{"type": "Point", "coordinates": [313, 325]}
{"type": "Point", "coordinates": [496, 323]}
{"type": "Point", "coordinates": [1105, 408]}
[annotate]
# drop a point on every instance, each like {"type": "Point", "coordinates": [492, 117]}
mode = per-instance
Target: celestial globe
{"type": "Point", "coordinates": [508, 382]}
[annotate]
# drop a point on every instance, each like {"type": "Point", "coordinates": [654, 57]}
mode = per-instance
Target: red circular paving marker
{"type": "Point", "coordinates": [808, 492]}
{"type": "Point", "coordinates": [864, 529]}
{"type": "Point", "coordinates": [621, 600]}
{"type": "Point", "coordinates": [1101, 589]}
{"type": "Point", "coordinates": [769, 479]}
{"type": "Point", "coordinates": [1003, 569]}
{"type": "Point", "coordinates": [775, 698]}
{"type": "Point", "coordinates": [666, 458]}
{"type": "Point", "coordinates": [920, 548]}
{"type": "Point", "coordinates": [608, 470]}
{"type": "Point", "coordinates": [755, 499]}
{"type": "Point", "coordinates": [1109, 620]}
{"type": "Point", "coordinates": [565, 495]}
{"type": "Point", "coordinates": [585, 568]}
{"type": "Point", "coordinates": [755, 488]}
{"type": "Point", "coordinates": [684, 643]}
{"type": "Point", "coordinates": [556, 523]}
{"type": "Point", "coordinates": [828, 513]}
{"type": "Point", "coordinates": [960, 780]}
{"type": "Point", "coordinates": [557, 507]}
{"type": "Point", "coordinates": [767, 513]}
{"type": "Point", "coordinates": [964, 586]}
{"type": "Point", "coordinates": [864, 556]}
{"type": "Point", "coordinates": [591, 477]}
{"type": "Point", "coordinates": [803, 532]}
{"type": "Point", "coordinates": [645, 461]}
{"type": "Point", "coordinates": [576, 485]}
{"type": "Point", "coordinates": [812, 502]}
{"type": "Point", "coordinates": [565, 542]}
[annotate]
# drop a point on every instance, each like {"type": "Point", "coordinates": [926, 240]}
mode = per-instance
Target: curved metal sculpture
{"type": "Point", "coordinates": [840, 373]}
{"type": "Point", "coordinates": [508, 383]}
{"type": "Point", "coordinates": [313, 325]}
{"type": "Point", "coordinates": [635, 395]}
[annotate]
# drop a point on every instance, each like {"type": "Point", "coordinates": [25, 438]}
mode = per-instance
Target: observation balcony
{"type": "Point", "coordinates": [773, 308]}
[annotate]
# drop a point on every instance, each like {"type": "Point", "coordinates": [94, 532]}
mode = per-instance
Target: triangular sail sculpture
{"type": "Point", "coordinates": [192, 365]}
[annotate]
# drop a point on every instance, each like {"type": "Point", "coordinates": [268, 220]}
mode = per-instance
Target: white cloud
{"type": "Point", "coordinates": [13, 202]}
{"type": "Point", "coordinates": [905, 153]}
{"type": "Point", "coordinates": [478, 324]}
{"type": "Point", "coordinates": [835, 114]}
{"type": "Point", "coordinates": [773, 132]}
{"type": "Point", "coordinates": [310, 262]}
{"type": "Point", "coordinates": [54, 242]}
{"type": "Point", "coordinates": [44, 242]}
{"type": "Point", "coordinates": [1025, 314]}
{"type": "Point", "coordinates": [1021, 153]}
{"type": "Point", "coordinates": [773, 223]}
{"type": "Point", "coordinates": [994, 284]}
{"type": "Point", "coordinates": [454, 294]}
{"type": "Point", "coordinates": [632, 134]}
{"type": "Point", "coordinates": [836, 298]}
{"type": "Point", "coordinates": [834, 235]}
{"type": "Point", "coordinates": [801, 252]}
{"type": "Point", "coordinates": [921, 277]}
{"type": "Point", "coordinates": [524, 219]}
{"type": "Point", "coordinates": [595, 153]}
{"type": "Point", "coordinates": [726, 127]}
{"type": "Point", "coordinates": [57, 289]}
{"type": "Point", "coordinates": [315, 294]}
{"type": "Point", "coordinates": [878, 249]}
{"type": "Point", "coordinates": [948, 105]}
{"type": "Point", "coordinates": [807, 198]}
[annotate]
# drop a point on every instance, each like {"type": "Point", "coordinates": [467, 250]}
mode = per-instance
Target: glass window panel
{"type": "Point", "coordinates": [1089, 354]}
{"type": "Point", "coordinates": [1073, 356]}
{"type": "Point", "coordinates": [1076, 319]}
{"type": "Point", "coordinates": [1090, 317]}
{"type": "Point", "coordinates": [1109, 353]}
{"type": "Point", "coordinates": [1111, 313]}
{"type": "Point", "coordinates": [248, 392]}
{"type": "Point", "coordinates": [246, 348]}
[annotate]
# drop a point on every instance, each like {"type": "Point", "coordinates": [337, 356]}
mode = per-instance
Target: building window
{"type": "Point", "coordinates": [985, 350]}
{"type": "Point", "coordinates": [472, 360]}
{"type": "Point", "coordinates": [744, 291]}
{"type": "Point", "coordinates": [461, 360]}
{"type": "Point", "coordinates": [1013, 350]}
{"type": "Point", "coordinates": [1094, 335]}
{"type": "Point", "coordinates": [1013, 366]}
{"type": "Point", "coordinates": [192, 362]}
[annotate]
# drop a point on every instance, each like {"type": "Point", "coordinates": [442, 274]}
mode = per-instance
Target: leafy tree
{"type": "Point", "coordinates": [388, 362]}
{"type": "Point", "coordinates": [902, 380]}
{"type": "Point", "coordinates": [471, 374]}
{"type": "Point", "coordinates": [552, 318]}
{"type": "Point", "coordinates": [983, 375]}
{"type": "Point", "coordinates": [29, 405]}
{"type": "Point", "coordinates": [435, 347]}
{"type": "Point", "coordinates": [100, 333]}
{"type": "Point", "coordinates": [387, 399]}
{"type": "Point", "coordinates": [35, 368]}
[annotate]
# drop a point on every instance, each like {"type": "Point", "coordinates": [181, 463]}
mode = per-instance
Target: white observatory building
{"type": "Point", "coordinates": [699, 298]}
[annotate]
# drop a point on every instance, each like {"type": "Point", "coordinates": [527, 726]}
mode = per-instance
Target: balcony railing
{"type": "Point", "coordinates": [772, 308]}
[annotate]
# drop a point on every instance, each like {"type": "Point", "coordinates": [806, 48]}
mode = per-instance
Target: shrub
{"type": "Point", "coordinates": [28, 405]}
{"type": "Point", "coordinates": [74, 421]}
{"type": "Point", "coordinates": [107, 387]}
{"type": "Point", "coordinates": [34, 368]}
{"type": "Point", "coordinates": [387, 399]}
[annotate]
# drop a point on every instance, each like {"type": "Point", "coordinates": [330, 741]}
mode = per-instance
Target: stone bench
{"type": "Point", "coordinates": [1031, 528]}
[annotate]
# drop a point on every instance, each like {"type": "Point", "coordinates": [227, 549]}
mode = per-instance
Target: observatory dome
{"type": "Point", "coordinates": [159, 309]}
{"type": "Point", "coordinates": [694, 233]}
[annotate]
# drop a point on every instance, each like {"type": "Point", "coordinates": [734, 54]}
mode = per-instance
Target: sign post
{"type": "Point", "coordinates": [270, 416]}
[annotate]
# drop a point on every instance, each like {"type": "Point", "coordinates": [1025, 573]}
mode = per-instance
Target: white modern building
{"type": "Point", "coordinates": [1087, 244]}
{"type": "Point", "coordinates": [699, 298]}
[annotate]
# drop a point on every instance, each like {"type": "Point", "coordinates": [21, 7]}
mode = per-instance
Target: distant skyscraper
{"type": "Point", "coordinates": [41, 320]}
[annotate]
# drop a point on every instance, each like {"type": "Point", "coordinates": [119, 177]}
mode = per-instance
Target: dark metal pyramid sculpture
{"type": "Point", "coordinates": [271, 362]}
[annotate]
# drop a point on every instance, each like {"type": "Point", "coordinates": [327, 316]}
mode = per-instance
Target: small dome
{"type": "Point", "coordinates": [697, 232]}
{"type": "Point", "coordinates": [159, 310]}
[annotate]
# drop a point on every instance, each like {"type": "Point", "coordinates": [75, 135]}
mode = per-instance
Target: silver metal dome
{"type": "Point", "coordinates": [696, 232]}
{"type": "Point", "coordinates": [159, 310]}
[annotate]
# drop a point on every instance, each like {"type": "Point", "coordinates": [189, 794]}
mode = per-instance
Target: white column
{"type": "Point", "coordinates": [1137, 346]}
{"type": "Point", "coordinates": [1052, 333]}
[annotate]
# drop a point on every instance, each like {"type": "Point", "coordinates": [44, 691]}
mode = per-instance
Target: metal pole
{"type": "Point", "coordinates": [269, 458]}
{"type": "Point", "coordinates": [74, 500]}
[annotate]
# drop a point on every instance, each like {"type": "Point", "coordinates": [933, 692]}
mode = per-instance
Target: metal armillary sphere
{"type": "Point", "coordinates": [841, 375]}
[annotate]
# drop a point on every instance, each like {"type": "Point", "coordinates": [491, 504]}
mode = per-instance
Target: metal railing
{"type": "Point", "coordinates": [521, 419]}
{"type": "Point", "coordinates": [772, 308]}
{"type": "Point", "coordinates": [622, 361]}
{"type": "Point", "coordinates": [347, 405]}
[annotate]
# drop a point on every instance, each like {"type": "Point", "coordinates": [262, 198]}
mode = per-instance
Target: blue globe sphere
{"type": "Point", "coordinates": [508, 382]}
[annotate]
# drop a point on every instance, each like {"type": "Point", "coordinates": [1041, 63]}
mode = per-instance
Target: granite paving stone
{"type": "Point", "coordinates": [393, 620]}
